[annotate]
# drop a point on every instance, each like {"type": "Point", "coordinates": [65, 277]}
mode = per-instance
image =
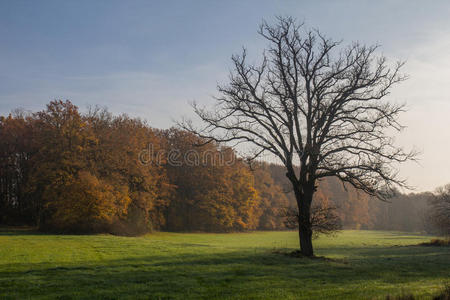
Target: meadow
{"type": "Point", "coordinates": [358, 265]}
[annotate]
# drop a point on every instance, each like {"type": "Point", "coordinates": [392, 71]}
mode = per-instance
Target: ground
{"type": "Point", "coordinates": [359, 265]}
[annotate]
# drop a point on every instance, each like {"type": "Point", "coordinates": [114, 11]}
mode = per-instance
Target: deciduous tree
{"type": "Point", "coordinates": [317, 106]}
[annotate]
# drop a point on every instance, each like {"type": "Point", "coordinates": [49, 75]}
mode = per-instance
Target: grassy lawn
{"type": "Point", "coordinates": [362, 265]}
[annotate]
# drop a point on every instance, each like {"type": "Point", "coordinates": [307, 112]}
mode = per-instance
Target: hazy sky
{"type": "Point", "coordinates": [151, 58]}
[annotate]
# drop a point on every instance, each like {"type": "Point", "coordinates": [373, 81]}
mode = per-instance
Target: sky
{"type": "Point", "coordinates": [150, 59]}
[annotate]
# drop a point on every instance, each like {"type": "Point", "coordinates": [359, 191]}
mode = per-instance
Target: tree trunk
{"type": "Point", "coordinates": [304, 223]}
{"type": "Point", "coordinates": [305, 236]}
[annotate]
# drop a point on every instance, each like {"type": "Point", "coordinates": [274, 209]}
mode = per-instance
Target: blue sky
{"type": "Point", "coordinates": [151, 58]}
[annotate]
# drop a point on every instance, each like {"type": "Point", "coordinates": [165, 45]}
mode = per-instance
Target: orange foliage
{"type": "Point", "coordinates": [67, 171]}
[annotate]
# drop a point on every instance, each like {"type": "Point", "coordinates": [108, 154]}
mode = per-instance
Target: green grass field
{"type": "Point", "coordinates": [361, 265]}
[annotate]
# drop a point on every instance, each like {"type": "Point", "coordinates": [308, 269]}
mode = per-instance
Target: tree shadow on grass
{"type": "Point", "coordinates": [239, 274]}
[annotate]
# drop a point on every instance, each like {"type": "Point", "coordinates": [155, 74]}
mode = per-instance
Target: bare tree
{"type": "Point", "coordinates": [439, 212]}
{"type": "Point", "coordinates": [317, 106]}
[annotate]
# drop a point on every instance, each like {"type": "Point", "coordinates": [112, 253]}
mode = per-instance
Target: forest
{"type": "Point", "coordinates": [67, 171]}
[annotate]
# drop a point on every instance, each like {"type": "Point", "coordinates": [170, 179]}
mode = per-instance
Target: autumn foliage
{"type": "Point", "coordinates": [66, 171]}
{"type": "Point", "coordinates": [209, 194]}
{"type": "Point", "coordinates": [70, 172]}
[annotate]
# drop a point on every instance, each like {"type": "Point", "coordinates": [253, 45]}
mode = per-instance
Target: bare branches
{"type": "Point", "coordinates": [323, 219]}
{"type": "Point", "coordinates": [316, 105]}
{"type": "Point", "coordinates": [439, 211]}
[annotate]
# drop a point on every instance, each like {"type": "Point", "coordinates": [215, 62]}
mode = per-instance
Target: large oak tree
{"type": "Point", "coordinates": [316, 105]}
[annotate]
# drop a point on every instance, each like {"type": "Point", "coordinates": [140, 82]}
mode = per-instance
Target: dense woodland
{"type": "Point", "coordinates": [67, 171]}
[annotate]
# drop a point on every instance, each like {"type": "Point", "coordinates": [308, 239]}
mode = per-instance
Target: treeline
{"type": "Point", "coordinates": [357, 210]}
{"type": "Point", "coordinates": [66, 171]}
